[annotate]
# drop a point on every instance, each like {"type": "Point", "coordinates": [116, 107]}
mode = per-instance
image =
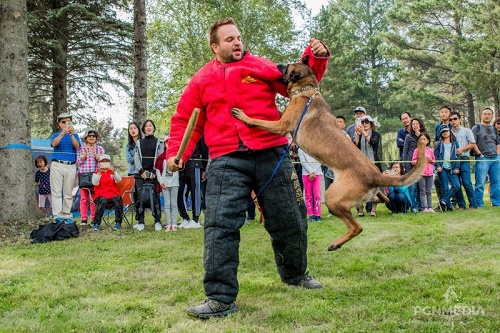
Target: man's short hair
{"type": "Point", "coordinates": [212, 31]}
{"type": "Point", "coordinates": [402, 114]}
{"type": "Point", "coordinates": [487, 108]}
{"type": "Point", "coordinates": [455, 113]}
{"type": "Point", "coordinates": [341, 117]}
{"type": "Point", "coordinates": [446, 107]}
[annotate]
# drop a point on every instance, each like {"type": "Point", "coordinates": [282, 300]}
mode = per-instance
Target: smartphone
{"type": "Point", "coordinates": [69, 123]}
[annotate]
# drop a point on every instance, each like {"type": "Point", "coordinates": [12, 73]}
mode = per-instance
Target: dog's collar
{"type": "Point", "coordinates": [304, 88]}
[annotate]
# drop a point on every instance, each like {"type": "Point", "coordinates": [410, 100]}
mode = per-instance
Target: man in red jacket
{"type": "Point", "coordinates": [106, 192]}
{"type": "Point", "coordinates": [243, 159]}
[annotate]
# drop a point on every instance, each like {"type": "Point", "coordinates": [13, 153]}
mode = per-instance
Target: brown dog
{"type": "Point", "coordinates": [357, 179]}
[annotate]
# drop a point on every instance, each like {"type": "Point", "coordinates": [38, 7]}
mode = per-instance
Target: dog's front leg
{"type": "Point", "coordinates": [271, 126]}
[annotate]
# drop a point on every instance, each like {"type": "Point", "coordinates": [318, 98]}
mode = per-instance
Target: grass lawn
{"type": "Point", "coordinates": [405, 273]}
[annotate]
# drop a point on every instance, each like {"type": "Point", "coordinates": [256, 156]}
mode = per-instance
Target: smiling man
{"type": "Point", "coordinates": [243, 159]}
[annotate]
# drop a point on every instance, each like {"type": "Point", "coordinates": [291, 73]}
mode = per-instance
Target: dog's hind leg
{"type": "Point", "coordinates": [341, 207]}
{"type": "Point", "coordinates": [353, 227]}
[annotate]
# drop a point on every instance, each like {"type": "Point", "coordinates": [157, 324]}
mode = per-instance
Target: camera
{"type": "Point", "coordinates": [148, 175]}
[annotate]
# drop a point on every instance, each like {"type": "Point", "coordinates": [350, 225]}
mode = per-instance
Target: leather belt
{"type": "Point", "coordinates": [64, 162]}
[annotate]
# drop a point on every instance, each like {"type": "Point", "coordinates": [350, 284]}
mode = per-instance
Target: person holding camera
{"type": "Point", "coordinates": [63, 169]}
{"type": "Point", "coordinates": [147, 151]}
{"type": "Point", "coordinates": [106, 192]}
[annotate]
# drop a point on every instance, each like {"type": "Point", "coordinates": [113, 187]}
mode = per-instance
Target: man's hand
{"type": "Point", "coordinates": [172, 166]}
{"type": "Point", "coordinates": [317, 48]}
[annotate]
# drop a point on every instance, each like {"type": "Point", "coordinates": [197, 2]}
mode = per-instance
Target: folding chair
{"type": "Point", "coordinates": [126, 189]}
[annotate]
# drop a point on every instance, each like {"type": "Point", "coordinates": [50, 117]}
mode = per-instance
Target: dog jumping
{"type": "Point", "coordinates": [357, 179]}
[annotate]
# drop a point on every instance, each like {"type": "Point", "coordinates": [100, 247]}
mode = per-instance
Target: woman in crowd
{"type": "Point", "coordinates": [447, 166]}
{"type": "Point", "coordinates": [134, 134]}
{"type": "Point", "coordinates": [147, 151]}
{"type": "Point", "coordinates": [368, 139]}
{"type": "Point", "coordinates": [411, 140]}
{"type": "Point", "coordinates": [87, 159]}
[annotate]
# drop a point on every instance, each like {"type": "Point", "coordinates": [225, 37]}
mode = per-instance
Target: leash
{"type": "Point", "coordinates": [286, 150]}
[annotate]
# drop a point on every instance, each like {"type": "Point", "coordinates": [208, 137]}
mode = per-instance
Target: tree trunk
{"type": "Point", "coordinates": [140, 62]}
{"type": "Point", "coordinates": [470, 109]}
{"type": "Point", "coordinates": [59, 53]}
{"type": "Point", "coordinates": [17, 192]}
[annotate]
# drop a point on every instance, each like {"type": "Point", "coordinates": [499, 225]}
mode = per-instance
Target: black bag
{"type": "Point", "coordinates": [148, 198]}
{"type": "Point", "coordinates": [54, 231]}
{"type": "Point", "coordinates": [85, 180]}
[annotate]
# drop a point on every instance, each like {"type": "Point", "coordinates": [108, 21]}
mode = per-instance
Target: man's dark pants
{"type": "Point", "coordinates": [230, 180]}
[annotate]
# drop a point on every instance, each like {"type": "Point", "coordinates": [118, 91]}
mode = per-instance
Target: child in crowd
{"type": "Point", "coordinates": [106, 192]}
{"type": "Point", "coordinates": [169, 186]}
{"type": "Point", "coordinates": [87, 158]}
{"type": "Point", "coordinates": [425, 183]}
{"type": "Point", "coordinates": [42, 180]}
{"type": "Point", "coordinates": [447, 166]}
{"type": "Point", "coordinates": [311, 177]}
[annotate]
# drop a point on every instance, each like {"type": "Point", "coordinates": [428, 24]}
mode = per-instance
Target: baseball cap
{"type": "Point", "coordinates": [443, 128]}
{"type": "Point", "coordinates": [64, 115]}
{"type": "Point", "coordinates": [360, 109]}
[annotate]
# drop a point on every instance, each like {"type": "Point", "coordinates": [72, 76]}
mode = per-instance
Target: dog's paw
{"type": "Point", "coordinates": [334, 247]}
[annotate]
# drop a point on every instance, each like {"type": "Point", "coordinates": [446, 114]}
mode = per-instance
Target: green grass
{"type": "Point", "coordinates": [391, 278]}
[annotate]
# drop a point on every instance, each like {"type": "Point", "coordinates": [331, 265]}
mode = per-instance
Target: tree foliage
{"type": "Point", "coordinates": [75, 47]}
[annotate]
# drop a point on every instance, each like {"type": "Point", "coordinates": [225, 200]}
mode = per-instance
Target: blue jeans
{"type": "Point", "coordinates": [414, 191]}
{"type": "Point", "coordinates": [450, 184]}
{"type": "Point", "coordinates": [230, 180]}
{"type": "Point", "coordinates": [465, 179]}
{"type": "Point", "coordinates": [487, 166]}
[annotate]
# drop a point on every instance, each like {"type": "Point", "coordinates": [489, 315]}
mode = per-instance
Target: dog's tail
{"type": "Point", "coordinates": [412, 176]}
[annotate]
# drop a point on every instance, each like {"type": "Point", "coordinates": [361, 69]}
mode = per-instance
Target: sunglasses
{"type": "Point", "coordinates": [497, 123]}
{"type": "Point", "coordinates": [92, 136]}
{"type": "Point", "coordinates": [64, 121]}
{"type": "Point", "coordinates": [453, 119]}
{"type": "Point", "coordinates": [366, 121]}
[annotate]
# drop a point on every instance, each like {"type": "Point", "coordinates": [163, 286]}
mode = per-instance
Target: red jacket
{"type": "Point", "coordinates": [107, 187]}
{"type": "Point", "coordinates": [250, 84]}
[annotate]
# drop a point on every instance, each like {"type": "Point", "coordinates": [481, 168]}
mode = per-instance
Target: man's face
{"type": "Point", "coordinates": [454, 121]}
{"type": "Point", "coordinates": [486, 116]}
{"type": "Point", "coordinates": [63, 122]}
{"type": "Point", "coordinates": [405, 119]}
{"type": "Point", "coordinates": [340, 123]}
{"type": "Point", "coordinates": [358, 114]}
{"type": "Point", "coordinates": [444, 114]}
{"type": "Point", "coordinates": [229, 48]}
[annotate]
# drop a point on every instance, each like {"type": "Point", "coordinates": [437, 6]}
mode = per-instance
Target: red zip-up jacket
{"type": "Point", "coordinates": [250, 84]}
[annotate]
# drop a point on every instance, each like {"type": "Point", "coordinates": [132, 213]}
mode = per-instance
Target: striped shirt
{"type": "Point", "coordinates": [90, 162]}
{"type": "Point", "coordinates": [464, 136]}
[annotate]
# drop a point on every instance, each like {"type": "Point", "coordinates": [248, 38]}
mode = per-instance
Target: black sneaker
{"type": "Point", "coordinates": [310, 283]}
{"type": "Point", "coordinates": [211, 308]}
{"type": "Point", "coordinates": [83, 222]}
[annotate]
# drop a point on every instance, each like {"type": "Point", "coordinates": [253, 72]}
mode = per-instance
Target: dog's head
{"type": "Point", "coordinates": [298, 74]}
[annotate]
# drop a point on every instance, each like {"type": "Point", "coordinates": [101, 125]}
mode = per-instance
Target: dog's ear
{"type": "Point", "coordinates": [283, 69]}
{"type": "Point", "coordinates": [305, 60]}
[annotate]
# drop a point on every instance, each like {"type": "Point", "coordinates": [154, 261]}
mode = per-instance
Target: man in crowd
{"type": "Point", "coordinates": [466, 142]}
{"type": "Point", "coordinates": [358, 113]}
{"type": "Point", "coordinates": [487, 161]}
{"type": "Point", "coordinates": [403, 132]}
{"type": "Point", "coordinates": [63, 169]}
